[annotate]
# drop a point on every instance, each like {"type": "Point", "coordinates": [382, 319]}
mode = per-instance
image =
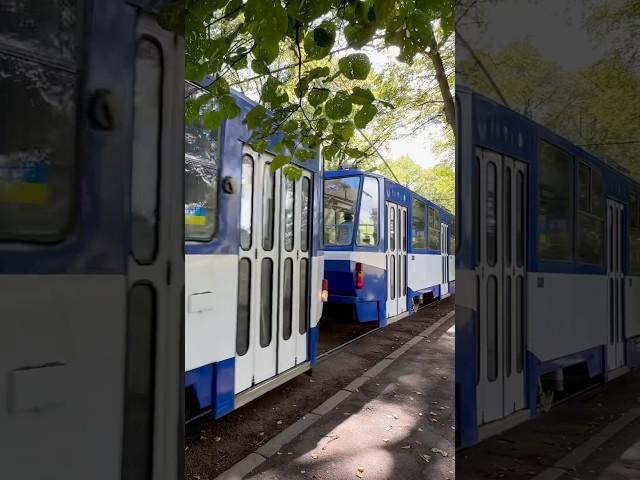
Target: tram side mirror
{"type": "Point", "coordinates": [228, 185]}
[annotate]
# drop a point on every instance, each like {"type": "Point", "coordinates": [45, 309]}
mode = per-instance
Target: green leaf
{"type": "Point", "coordinates": [193, 105]}
{"type": "Point", "coordinates": [213, 119]}
{"type": "Point", "coordinates": [305, 154]}
{"type": "Point", "coordinates": [339, 106]}
{"type": "Point", "coordinates": [322, 125]}
{"type": "Point", "coordinates": [344, 130]}
{"type": "Point", "coordinates": [419, 28]}
{"type": "Point", "coordinates": [361, 96]}
{"type": "Point", "coordinates": [327, 33]}
{"type": "Point", "coordinates": [329, 152]}
{"type": "Point", "coordinates": [233, 6]}
{"type": "Point", "coordinates": [358, 35]}
{"type": "Point", "coordinates": [255, 116]}
{"type": "Point", "coordinates": [290, 127]}
{"type": "Point", "coordinates": [318, 72]}
{"type": "Point", "coordinates": [292, 172]}
{"type": "Point", "coordinates": [387, 104]}
{"type": "Point", "coordinates": [383, 9]}
{"type": "Point", "coordinates": [260, 146]}
{"type": "Point", "coordinates": [365, 115]}
{"type": "Point", "coordinates": [355, 66]}
{"type": "Point", "coordinates": [279, 161]}
{"type": "Point", "coordinates": [260, 67]}
{"type": "Point", "coordinates": [219, 87]}
{"type": "Point", "coordinates": [354, 152]}
{"type": "Point", "coordinates": [266, 51]}
{"type": "Point", "coordinates": [271, 92]}
{"type": "Point", "coordinates": [311, 141]}
{"type": "Point", "coordinates": [317, 96]}
{"type": "Point", "coordinates": [229, 107]}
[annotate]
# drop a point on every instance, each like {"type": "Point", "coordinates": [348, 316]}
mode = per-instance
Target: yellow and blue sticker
{"type": "Point", "coordinates": [195, 215]}
{"type": "Point", "coordinates": [26, 183]}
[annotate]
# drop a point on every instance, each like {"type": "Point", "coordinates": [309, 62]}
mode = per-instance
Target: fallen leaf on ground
{"type": "Point", "coordinates": [440, 451]}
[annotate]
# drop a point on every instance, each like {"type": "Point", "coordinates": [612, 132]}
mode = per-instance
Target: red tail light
{"type": "Point", "coordinates": [359, 275]}
{"type": "Point", "coordinates": [325, 290]}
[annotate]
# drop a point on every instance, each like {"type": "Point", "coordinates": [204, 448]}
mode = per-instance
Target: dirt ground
{"type": "Point", "coordinates": [211, 447]}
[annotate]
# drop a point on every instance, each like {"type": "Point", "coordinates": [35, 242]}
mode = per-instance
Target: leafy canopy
{"type": "Point", "coordinates": [224, 36]}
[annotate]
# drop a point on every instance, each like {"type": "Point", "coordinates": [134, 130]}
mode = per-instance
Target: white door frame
{"type": "Point", "coordinates": [392, 259]}
{"type": "Point", "coordinates": [444, 253]}
{"type": "Point", "coordinates": [401, 260]}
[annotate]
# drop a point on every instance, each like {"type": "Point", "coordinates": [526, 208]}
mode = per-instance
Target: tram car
{"type": "Point", "coordinates": [91, 266]}
{"type": "Point", "coordinates": [386, 248]}
{"type": "Point", "coordinates": [254, 268]}
{"type": "Point", "coordinates": [548, 268]}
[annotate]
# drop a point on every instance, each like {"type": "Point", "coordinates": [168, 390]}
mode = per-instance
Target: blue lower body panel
{"type": "Point", "coordinates": [214, 386]}
{"type": "Point", "coordinates": [365, 311]}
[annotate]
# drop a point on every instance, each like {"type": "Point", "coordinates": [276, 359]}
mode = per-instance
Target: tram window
{"type": "Point", "coordinates": [246, 203]}
{"type": "Point", "coordinates": [507, 215]}
{"type": "Point", "coordinates": [392, 277]}
{"type": "Point", "coordinates": [201, 174]}
{"type": "Point", "coordinates": [508, 323]}
{"type": "Point", "coordinates": [287, 299]}
{"type": "Point", "coordinates": [244, 307]}
{"type": "Point", "coordinates": [146, 151]}
{"type": "Point", "coordinates": [266, 303]}
{"type": "Point", "coordinates": [452, 235]}
{"type": "Point", "coordinates": [289, 209]}
{"type": "Point", "coordinates": [520, 322]}
{"type": "Point", "coordinates": [268, 205]}
{"type": "Point", "coordinates": [339, 209]}
{"type": "Point", "coordinates": [435, 233]}
{"type": "Point", "coordinates": [38, 81]}
{"type": "Point", "coordinates": [403, 231]}
{"type": "Point", "coordinates": [368, 217]}
{"type": "Point", "coordinates": [492, 215]}
{"type": "Point", "coordinates": [492, 329]}
{"type": "Point", "coordinates": [520, 218]}
{"type": "Point", "coordinates": [555, 205]}
{"type": "Point", "coordinates": [634, 232]}
{"type": "Point", "coordinates": [392, 229]}
{"type": "Point", "coordinates": [303, 304]}
{"type": "Point", "coordinates": [304, 217]}
{"type": "Point", "coordinates": [590, 218]}
{"type": "Point", "coordinates": [418, 224]}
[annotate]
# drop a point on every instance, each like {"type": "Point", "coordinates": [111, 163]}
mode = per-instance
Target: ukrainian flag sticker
{"type": "Point", "coordinates": [195, 215]}
{"type": "Point", "coordinates": [26, 183]}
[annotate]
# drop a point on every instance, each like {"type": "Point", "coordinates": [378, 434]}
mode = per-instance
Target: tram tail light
{"type": "Point", "coordinates": [359, 275]}
{"type": "Point", "coordinates": [325, 290]}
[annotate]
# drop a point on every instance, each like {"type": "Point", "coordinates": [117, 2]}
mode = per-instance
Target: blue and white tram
{"type": "Point", "coordinates": [91, 266]}
{"type": "Point", "coordinates": [386, 248]}
{"type": "Point", "coordinates": [548, 268]}
{"type": "Point", "coordinates": [254, 270]}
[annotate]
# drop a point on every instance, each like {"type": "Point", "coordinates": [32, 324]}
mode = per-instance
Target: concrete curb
{"type": "Point", "coordinates": [580, 454]}
{"type": "Point", "coordinates": [253, 460]}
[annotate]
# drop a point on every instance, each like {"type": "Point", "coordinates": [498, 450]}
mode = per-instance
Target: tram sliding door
{"type": "Point", "coordinates": [444, 252]}
{"type": "Point", "coordinates": [500, 284]}
{"type": "Point", "coordinates": [274, 270]}
{"type": "Point", "coordinates": [615, 285]}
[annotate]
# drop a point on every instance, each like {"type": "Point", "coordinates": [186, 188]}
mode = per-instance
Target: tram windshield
{"type": "Point", "coordinates": [340, 195]}
{"type": "Point", "coordinates": [201, 165]}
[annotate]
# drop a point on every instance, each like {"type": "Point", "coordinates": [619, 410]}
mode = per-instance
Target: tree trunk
{"type": "Point", "coordinates": [443, 84]}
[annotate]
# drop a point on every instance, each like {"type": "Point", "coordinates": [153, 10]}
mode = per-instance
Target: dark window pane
{"type": "Point", "coordinates": [289, 209]}
{"type": "Point", "coordinates": [418, 224]}
{"type": "Point", "coordinates": [268, 205]}
{"type": "Point", "coordinates": [435, 230]}
{"type": "Point", "coordinates": [146, 154]}
{"type": "Point", "coordinates": [404, 231]}
{"type": "Point", "coordinates": [555, 206]}
{"type": "Point", "coordinates": [340, 196]}
{"type": "Point", "coordinates": [244, 306]}
{"type": "Point", "coordinates": [590, 239]}
{"type": "Point", "coordinates": [392, 229]}
{"type": "Point", "coordinates": [368, 216]}
{"type": "Point", "coordinates": [584, 188]}
{"type": "Point", "coordinates": [597, 193]}
{"type": "Point", "coordinates": [507, 215]}
{"type": "Point", "coordinates": [521, 215]}
{"type": "Point", "coordinates": [392, 277]}
{"type": "Point", "coordinates": [492, 215]}
{"type": "Point", "coordinates": [287, 299]}
{"type": "Point", "coordinates": [508, 323]}
{"type": "Point", "coordinates": [246, 202]}
{"type": "Point", "coordinates": [266, 303]}
{"type": "Point", "coordinates": [304, 217]}
{"type": "Point", "coordinates": [303, 296]}
{"type": "Point", "coordinates": [492, 328]}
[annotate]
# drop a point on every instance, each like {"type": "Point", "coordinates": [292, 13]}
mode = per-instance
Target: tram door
{"type": "Point", "coordinates": [396, 259]}
{"type": "Point", "coordinates": [444, 252]}
{"type": "Point", "coordinates": [273, 272]}
{"type": "Point", "coordinates": [500, 285]}
{"type": "Point", "coordinates": [615, 285]}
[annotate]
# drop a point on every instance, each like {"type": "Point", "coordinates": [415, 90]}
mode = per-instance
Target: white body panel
{"type": "Point", "coordinates": [375, 259]}
{"type": "Point", "coordinates": [73, 368]}
{"type": "Point", "coordinates": [315, 294]}
{"type": "Point", "coordinates": [424, 270]}
{"type": "Point", "coordinates": [632, 317]}
{"type": "Point", "coordinates": [565, 306]}
{"type": "Point", "coordinates": [210, 335]}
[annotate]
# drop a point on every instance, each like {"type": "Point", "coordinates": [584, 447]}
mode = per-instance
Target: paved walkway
{"type": "Point", "coordinates": [397, 424]}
